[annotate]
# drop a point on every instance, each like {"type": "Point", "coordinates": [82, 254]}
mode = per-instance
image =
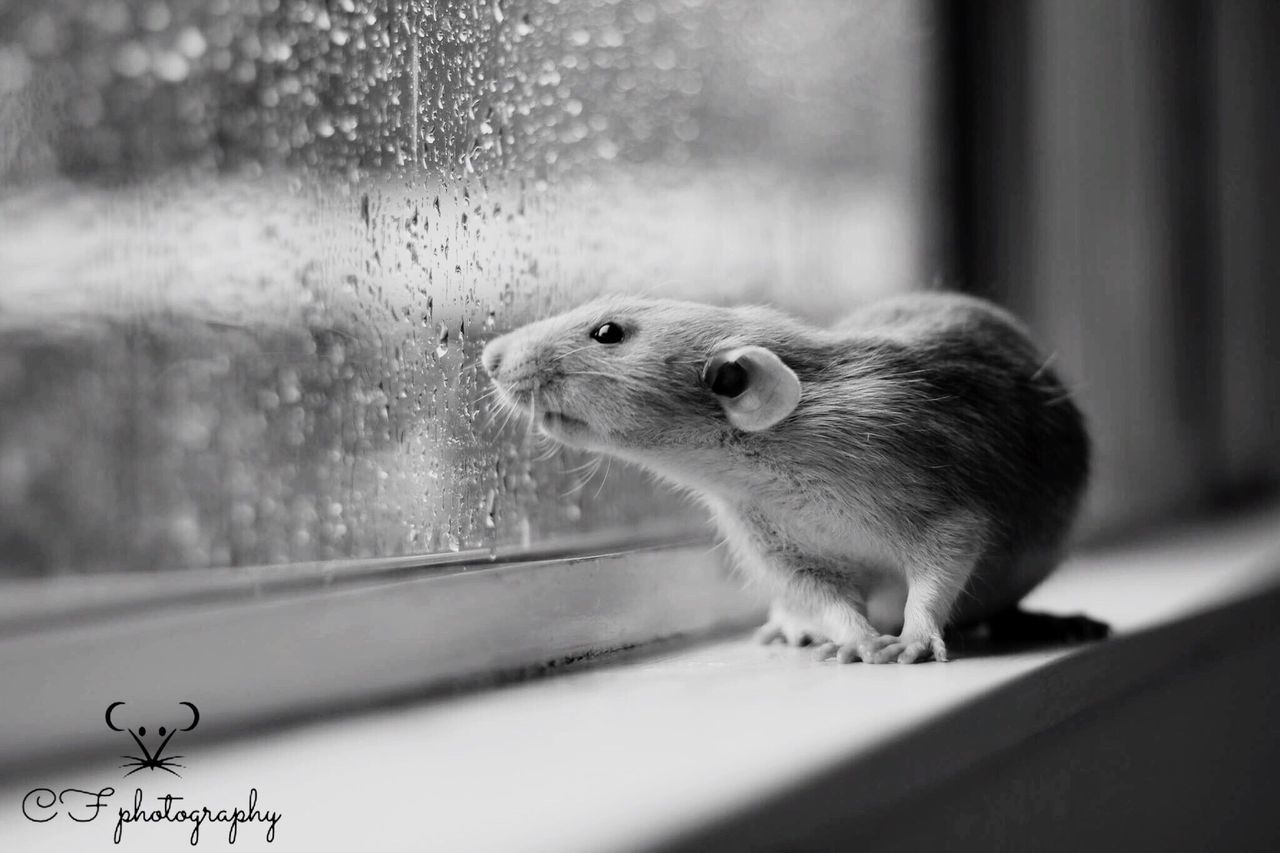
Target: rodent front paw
{"type": "Point", "coordinates": [788, 631]}
{"type": "Point", "coordinates": [862, 649]}
{"type": "Point", "coordinates": [913, 650]}
{"type": "Point", "coordinates": [885, 648]}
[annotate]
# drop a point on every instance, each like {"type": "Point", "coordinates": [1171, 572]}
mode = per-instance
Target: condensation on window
{"type": "Point", "coordinates": [250, 249]}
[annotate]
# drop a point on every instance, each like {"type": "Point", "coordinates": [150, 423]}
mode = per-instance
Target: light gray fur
{"type": "Point", "coordinates": [928, 476]}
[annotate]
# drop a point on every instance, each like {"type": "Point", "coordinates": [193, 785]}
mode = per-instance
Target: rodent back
{"type": "Point", "coordinates": [944, 403]}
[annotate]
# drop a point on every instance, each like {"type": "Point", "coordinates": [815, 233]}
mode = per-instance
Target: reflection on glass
{"type": "Point", "coordinates": [251, 248]}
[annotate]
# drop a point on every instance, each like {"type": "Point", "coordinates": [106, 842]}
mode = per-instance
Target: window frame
{"type": "Point", "coordinates": [249, 651]}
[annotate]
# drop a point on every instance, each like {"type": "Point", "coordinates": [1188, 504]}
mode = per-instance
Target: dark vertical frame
{"type": "Point", "coordinates": [1246, 164]}
{"type": "Point", "coordinates": [986, 114]}
{"type": "Point", "coordinates": [1111, 178]}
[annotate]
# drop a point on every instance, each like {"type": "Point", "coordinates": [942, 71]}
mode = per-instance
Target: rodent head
{"type": "Point", "coordinates": [623, 374]}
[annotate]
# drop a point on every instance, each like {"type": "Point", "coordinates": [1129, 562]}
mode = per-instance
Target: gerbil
{"type": "Point", "coordinates": [916, 466]}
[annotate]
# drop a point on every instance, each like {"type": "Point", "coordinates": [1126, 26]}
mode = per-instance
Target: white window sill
{"type": "Point", "coordinates": [642, 752]}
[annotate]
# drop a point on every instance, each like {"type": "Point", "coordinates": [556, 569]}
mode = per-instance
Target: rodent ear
{"type": "Point", "coordinates": [753, 385]}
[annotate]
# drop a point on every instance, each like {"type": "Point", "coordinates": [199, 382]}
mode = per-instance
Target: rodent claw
{"type": "Point", "coordinates": [915, 651]}
{"type": "Point", "coordinates": [788, 630]}
{"type": "Point", "coordinates": [889, 653]}
{"type": "Point", "coordinates": [848, 653]}
{"type": "Point", "coordinates": [884, 648]}
{"type": "Point", "coordinates": [825, 650]}
{"type": "Point", "coordinates": [768, 633]}
{"type": "Point", "coordinates": [890, 649]}
{"type": "Point", "coordinates": [871, 649]}
{"type": "Point", "coordinates": [865, 649]}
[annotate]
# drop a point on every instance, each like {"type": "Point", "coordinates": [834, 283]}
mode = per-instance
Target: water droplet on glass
{"type": "Point", "coordinates": [131, 60]}
{"type": "Point", "coordinates": [155, 17]}
{"type": "Point", "coordinates": [191, 43]}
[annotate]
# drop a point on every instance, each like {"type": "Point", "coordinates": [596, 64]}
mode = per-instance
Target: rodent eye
{"type": "Point", "coordinates": [607, 333]}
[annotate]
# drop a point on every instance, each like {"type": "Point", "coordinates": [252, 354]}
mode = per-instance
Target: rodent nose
{"type": "Point", "coordinates": [491, 358]}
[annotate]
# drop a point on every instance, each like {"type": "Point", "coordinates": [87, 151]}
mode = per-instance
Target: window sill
{"type": "Point", "coordinates": [256, 647]}
{"type": "Point", "coordinates": [726, 740]}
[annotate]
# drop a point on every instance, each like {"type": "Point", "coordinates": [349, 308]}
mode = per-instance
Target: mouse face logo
{"type": "Point", "coordinates": [152, 759]}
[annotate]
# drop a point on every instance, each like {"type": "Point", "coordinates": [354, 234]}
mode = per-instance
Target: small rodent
{"type": "Point", "coordinates": [916, 466]}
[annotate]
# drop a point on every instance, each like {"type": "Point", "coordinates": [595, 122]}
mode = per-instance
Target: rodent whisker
{"type": "Point", "coordinates": [498, 413]}
{"type": "Point", "coordinates": [578, 486]}
{"type": "Point", "coordinates": [608, 466]}
{"type": "Point", "coordinates": [570, 352]}
{"type": "Point", "coordinates": [1043, 367]}
{"type": "Point", "coordinates": [723, 543]}
{"type": "Point", "coordinates": [533, 415]}
{"type": "Point", "coordinates": [511, 411]}
{"type": "Point", "coordinates": [501, 425]}
{"type": "Point", "coordinates": [621, 380]}
{"type": "Point", "coordinates": [575, 469]}
{"type": "Point", "coordinates": [551, 449]}
{"type": "Point", "coordinates": [487, 394]}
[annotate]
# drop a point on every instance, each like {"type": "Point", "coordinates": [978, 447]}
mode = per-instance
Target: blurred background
{"type": "Point", "coordinates": [250, 249]}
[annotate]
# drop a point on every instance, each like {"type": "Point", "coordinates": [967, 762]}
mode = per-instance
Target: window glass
{"type": "Point", "coordinates": [250, 249]}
